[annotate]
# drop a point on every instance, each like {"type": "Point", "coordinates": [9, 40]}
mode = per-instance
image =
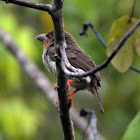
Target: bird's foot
{"type": "Point", "coordinates": [70, 104]}
{"type": "Point", "coordinates": [69, 87]}
{"type": "Point", "coordinates": [55, 86]}
{"type": "Point", "coordinates": [70, 94]}
{"type": "Point", "coordinates": [70, 98]}
{"type": "Point", "coordinates": [68, 81]}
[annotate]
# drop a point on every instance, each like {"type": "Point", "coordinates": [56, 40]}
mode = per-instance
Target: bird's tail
{"type": "Point", "coordinates": [94, 90]}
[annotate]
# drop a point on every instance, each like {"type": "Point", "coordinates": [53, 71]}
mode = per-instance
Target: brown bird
{"type": "Point", "coordinates": [77, 58]}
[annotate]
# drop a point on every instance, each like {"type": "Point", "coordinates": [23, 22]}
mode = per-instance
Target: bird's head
{"type": "Point", "coordinates": [46, 38]}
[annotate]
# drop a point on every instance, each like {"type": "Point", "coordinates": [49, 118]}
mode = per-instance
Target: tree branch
{"type": "Point", "coordinates": [85, 28]}
{"type": "Point", "coordinates": [134, 69]}
{"type": "Point", "coordinates": [133, 10]}
{"type": "Point", "coordinates": [89, 24]}
{"type": "Point", "coordinates": [40, 80]}
{"type": "Point", "coordinates": [111, 56]}
{"type": "Point", "coordinates": [92, 121]}
{"type": "Point", "coordinates": [59, 40]}
{"type": "Point", "coordinates": [44, 7]}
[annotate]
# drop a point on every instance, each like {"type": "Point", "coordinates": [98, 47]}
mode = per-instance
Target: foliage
{"type": "Point", "coordinates": [132, 132]}
{"type": "Point", "coordinates": [123, 60]}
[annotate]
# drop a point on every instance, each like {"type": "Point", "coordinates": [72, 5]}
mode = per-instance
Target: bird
{"type": "Point", "coordinates": [77, 58]}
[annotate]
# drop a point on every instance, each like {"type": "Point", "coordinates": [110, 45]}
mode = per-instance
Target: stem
{"type": "Point", "coordinates": [132, 11]}
{"type": "Point", "coordinates": [43, 7]}
{"type": "Point", "coordinates": [59, 41]}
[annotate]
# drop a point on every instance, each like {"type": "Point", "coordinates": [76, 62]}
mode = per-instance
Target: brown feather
{"type": "Point", "coordinates": [79, 59]}
{"type": "Point", "coordinates": [76, 56]}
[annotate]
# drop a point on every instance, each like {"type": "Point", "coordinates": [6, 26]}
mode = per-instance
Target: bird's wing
{"type": "Point", "coordinates": [51, 51]}
{"type": "Point", "coordinates": [80, 59]}
{"type": "Point", "coordinates": [77, 58]}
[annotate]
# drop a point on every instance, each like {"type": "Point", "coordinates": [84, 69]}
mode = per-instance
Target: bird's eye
{"type": "Point", "coordinates": [49, 36]}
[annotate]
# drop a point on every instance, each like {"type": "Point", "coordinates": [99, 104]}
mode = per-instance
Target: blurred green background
{"type": "Point", "coordinates": [25, 114]}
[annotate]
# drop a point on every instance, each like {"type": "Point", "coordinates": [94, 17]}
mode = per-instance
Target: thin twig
{"type": "Point", "coordinates": [134, 69]}
{"type": "Point", "coordinates": [92, 121]}
{"type": "Point", "coordinates": [43, 7]}
{"type": "Point", "coordinates": [132, 11]}
{"type": "Point", "coordinates": [85, 28]}
{"type": "Point", "coordinates": [111, 56]}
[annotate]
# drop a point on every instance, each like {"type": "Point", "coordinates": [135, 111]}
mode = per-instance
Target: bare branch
{"type": "Point", "coordinates": [64, 102]}
{"type": "Point", "coordinates": [133, 10]}
{"type": "Point", "coordinates": [85, 28]}
{"type": "Point", "coordinates": [40, 80]}
{"type": "Point", "coordinates": [89, 24]}
{"type": "Point", "coordinates": [57, 5]}
{"type": "Point", "coordinates": [92, 121]}
{"type": "Point", "coordinates": [134, 69]}
{"type": "Point", "coordinates": [111, 56]}
{"type": "Point", "coordinates": [43, 7]}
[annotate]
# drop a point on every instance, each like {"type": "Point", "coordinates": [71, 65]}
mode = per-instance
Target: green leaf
{"type": "Point", "coordinates": [124, 57]}
{"type": "Point", "coordinates": [133, 130]}
{"type": "Point", "coordinates": [137, 41]}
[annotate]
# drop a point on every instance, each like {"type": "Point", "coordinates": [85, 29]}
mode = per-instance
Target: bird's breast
{"type": "Point", "coordinates": [48, 62]}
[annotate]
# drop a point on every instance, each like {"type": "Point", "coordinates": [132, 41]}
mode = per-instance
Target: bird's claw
{"type": "Point", "coordinates": [70, 104]}
{"type": "Point", "coordinates": [55, 86]}
{"type": "Point", "coordinates": [69, 87]}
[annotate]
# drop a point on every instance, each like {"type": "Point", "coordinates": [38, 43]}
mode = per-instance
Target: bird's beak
{"type": "Point", "coordinates": [41, 37]}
